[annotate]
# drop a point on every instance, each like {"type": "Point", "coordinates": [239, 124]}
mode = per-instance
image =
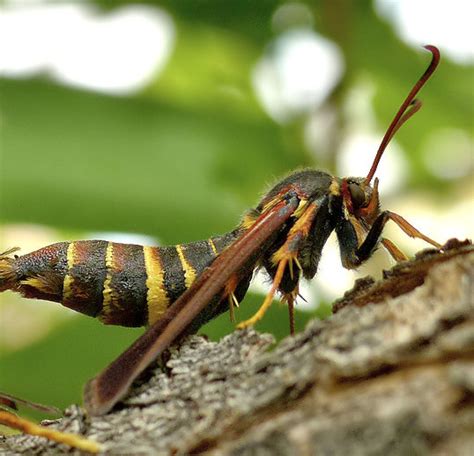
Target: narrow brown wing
{"type": "Point", "coordinates": [106, 389]}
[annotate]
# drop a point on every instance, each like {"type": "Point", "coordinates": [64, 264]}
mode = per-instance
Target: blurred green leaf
{"type": "Point", "coordinates": [76, 159]}
{"type": "Point", "coordinates": [209, 70]}
{"type": "Point", "coordinates": [250, 19]}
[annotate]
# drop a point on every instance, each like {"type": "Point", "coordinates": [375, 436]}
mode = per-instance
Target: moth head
{"type": "Point", "coordinates": [360, 198]}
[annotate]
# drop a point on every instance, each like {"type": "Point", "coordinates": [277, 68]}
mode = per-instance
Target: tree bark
{"type": "Point", "coordinates": [390, 372]}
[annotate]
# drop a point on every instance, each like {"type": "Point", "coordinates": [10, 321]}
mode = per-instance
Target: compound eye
{"type": "Point", "coordinates": [357, 195]}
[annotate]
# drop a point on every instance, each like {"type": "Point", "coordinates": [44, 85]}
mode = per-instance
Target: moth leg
{"type": "Point", "coordinates": [268, 299]}
{"type": "Point", "coordinates": [291, 314]}
{"type": "Point", "coordinates": [393, 250]}
{"type": "Point", "coordinates": [353, 254]}
{"type": "Point", "coordinates": [410, 230]}
{"type": "Point", "coordinates": [29, 427]}
{"type": "Point", "coordinates": [284, 256]}
{"type": "Point", "coordinates": [233, 303]}
{"type": "Point", "coordinates": [229, 291]}
{"type": "Point", "coordinates": [290, 298]}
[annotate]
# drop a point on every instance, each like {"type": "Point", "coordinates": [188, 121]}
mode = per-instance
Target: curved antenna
{"type": "Point", "coordinates": [409, 107]}
{"type": "Point", "coordinates": [412, 109]}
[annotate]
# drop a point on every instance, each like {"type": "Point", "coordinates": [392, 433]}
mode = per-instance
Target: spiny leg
{"type": "Point", "coordinates": [269, 298]}
{"type": "Point", "coordinates": [230, 288]}
{"type": "Point", "coordinates": [284, 256]}
{"type": "Point", "coordinates": [233, 303]}
{"type": "Point", "coordinates": [290, 266]}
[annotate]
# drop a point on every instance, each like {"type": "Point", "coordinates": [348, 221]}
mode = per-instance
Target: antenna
{"type": "Point", "coordinates": [409, 107]}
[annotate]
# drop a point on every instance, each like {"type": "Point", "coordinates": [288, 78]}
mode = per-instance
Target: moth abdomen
{"type": "Point", "coordinates": [120, 284]}
{"type": "Point", "coordinates": [39, 274]}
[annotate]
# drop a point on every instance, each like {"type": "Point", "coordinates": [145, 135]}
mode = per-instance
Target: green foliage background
{"type": "Point", "coordinates": [183, 159]}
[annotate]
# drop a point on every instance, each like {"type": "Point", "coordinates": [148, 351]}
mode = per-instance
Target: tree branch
{"type": "Point", "coordinates": [392, 371]}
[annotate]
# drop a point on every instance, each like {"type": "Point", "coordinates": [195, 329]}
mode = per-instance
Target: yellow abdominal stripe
{"type": "Point", "coordinates": [108, 290]}
{"type": "Point", "coordinates": [157, 300]}
{"type": "Point", "coordinates": [69, 279]}
{"type": "Point", "coordinates": [189, 271]}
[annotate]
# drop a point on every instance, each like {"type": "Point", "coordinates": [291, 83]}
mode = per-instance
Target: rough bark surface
{"type": "Point", "coordinates": [391, 372]}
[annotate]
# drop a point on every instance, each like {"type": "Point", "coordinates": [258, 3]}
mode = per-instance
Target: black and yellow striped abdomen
{"type": "Point", "coordinates": [121, 284]}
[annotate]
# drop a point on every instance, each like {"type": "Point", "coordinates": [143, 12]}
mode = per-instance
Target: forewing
{"type": "Point", "coordinates": [106, 389]}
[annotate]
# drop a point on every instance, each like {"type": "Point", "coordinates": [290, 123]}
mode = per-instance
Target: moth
{"type": "Point", "coordinates": [175, 289]}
